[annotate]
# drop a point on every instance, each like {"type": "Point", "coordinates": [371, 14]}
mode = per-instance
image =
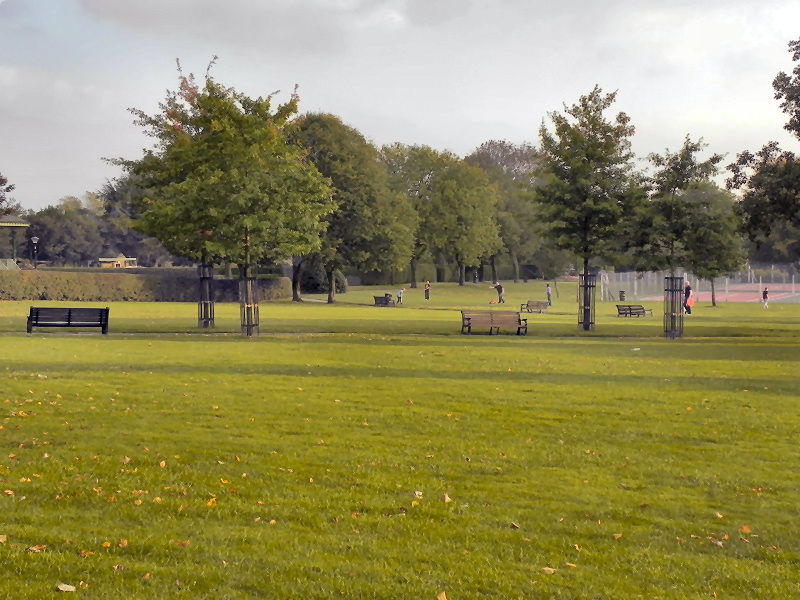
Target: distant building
{"type": "Point", "coordinates": [121, 262]}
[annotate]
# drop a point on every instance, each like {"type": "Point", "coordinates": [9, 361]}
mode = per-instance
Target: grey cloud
{"type": "Point", "coordinates": [283, 27]}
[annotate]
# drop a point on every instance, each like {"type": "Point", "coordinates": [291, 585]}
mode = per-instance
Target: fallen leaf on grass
{"type": "Point", "coordinates": [122, 543]}
{"type": "Point", "coordinates": [571, 565]}
{"type": "Point", "coordinates": [37, 548]}
{"type": "Point", "coordinates": [212, 502]}
{"type": "Point", "coordinates": [441, 596]}
{"type": "Point", "coordinates": [548, 570]}
{"type": "Point", "coordinates": [65, 587]}
{"type": "Point", "coordinates": [446, 499]}
{"type": "Point", "coordinates": [3, 539]}
{"type": "Point", "coordinates": [179, 543]}
{"type": "Point", "coordinates": [617, 536]}
{"type": "Point", "coordinates": [514, 526]}
{"type": "Point", "coordinates": [119, 568]}
{"type": "Point", "coordinates": [745, 529]}
{"type": "Point", "coordinates": [718, 515]}
{"type": "Point", "coordinates": [106, 544]}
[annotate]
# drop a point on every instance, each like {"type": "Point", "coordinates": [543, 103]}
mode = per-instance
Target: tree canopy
{"type": "Point", "coordinates": [586, 171]}
{"type": "Point", "coordinates": [371, 227]}
{"type": "Point", "coordinates": [224, 182]}
{"type": "Point", "coordinates": [770, 178]}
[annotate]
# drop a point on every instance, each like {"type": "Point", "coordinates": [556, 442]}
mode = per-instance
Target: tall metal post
{"type": "Point", "coordinates": [586, 299]}
{"type": "Point", "coordinates": [673, 307]}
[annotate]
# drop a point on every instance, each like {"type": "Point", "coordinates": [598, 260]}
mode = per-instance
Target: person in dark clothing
{"type": "Point", "coordinates": [501, 299]}
{"type": "Point", "coordinates": [765, 297]}
{"type": "Point", "coordinates": [687, 294]}
{"type": "Point", "coordinates": [427, 290]}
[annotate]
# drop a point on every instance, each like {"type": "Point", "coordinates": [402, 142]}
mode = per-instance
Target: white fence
{"type": "Point", "coordinates": [746, 286]}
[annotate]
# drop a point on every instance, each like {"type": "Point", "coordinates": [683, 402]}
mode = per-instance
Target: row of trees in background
{"type": "Point", "coordinates": [232, 179]}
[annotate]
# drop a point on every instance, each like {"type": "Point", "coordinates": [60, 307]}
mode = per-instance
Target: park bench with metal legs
{"type": "Point", "coordinates": [633, 310]}
{"type": "Point", "coordinates": [68, 317]}
{"type": "Point", "coordinates": [494, 320]}
{"type": "Point", "coordinates": [530, 306]}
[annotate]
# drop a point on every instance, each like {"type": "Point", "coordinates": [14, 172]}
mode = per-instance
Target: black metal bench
{"type": "Point", "coordinates": [494, 320]}
{"type": "Point", "coordinates": [633, 310]}
{"type": "Point", "coordinates": [534, 305]}
{"type": "Point", "coordinates": [385, 300]}
{"type": "Point", "coordinates": [68, 317]}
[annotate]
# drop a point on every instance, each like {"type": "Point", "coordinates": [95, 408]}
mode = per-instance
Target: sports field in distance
{"type": "Point", "coordinates": [359, 452]}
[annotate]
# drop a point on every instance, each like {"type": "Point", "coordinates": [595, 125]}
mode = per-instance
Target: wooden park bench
{"type": "Point", "coordinates": [539, 306]}
{"type": "Point", "coordinates": [68, 317]}
{"type": "Point", "coordinates": [633, 310]}
{"type": "Point", "coordinates": [385, 300]}
{"type": "Point", "coordinates": [494, 320]}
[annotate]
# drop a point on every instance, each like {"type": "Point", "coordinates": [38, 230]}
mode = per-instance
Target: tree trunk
{"type": "Point", "coordinates": [297, 270]}
{"type": "Point", "coordinates": [331, 273]}
{"type": "Point", "coordinates": [515, 264]}
{"type": "Point", "coordinates": [461, 273]}
{"type": "Point", "coordinates": [413, 272]}
{"type": "Point", "coordinates": [493, 262]}
{"type": "Point", "coordinates": [713, 293]}
{"type": "Point", "coordinates": [439, 273]}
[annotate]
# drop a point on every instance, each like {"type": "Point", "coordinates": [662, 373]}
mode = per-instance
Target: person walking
{"type": "Point", "coordinates": [688, 300]}
{"type": "Point", "coordinates": [427, 290]}
{"type": "Point", "coordinates": [765, 297]}
{"type": "Point", "coordinates": [501, 298]}
{"type": "Point", "coordinates": [549, 303]}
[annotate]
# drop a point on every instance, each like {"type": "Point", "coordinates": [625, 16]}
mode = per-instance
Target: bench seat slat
{"type": "Point", "coordinates": [68, 317]}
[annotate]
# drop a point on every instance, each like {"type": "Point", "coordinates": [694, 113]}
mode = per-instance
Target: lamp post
{"type": "Point", "coordinates": [35, 241]}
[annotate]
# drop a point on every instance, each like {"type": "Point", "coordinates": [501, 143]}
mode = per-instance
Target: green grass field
{"type": "Point", "coordinates": [362, 452]}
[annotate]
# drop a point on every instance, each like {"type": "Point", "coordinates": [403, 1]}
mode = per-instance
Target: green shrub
{"type": "Point", "coordinates": [156, 285]}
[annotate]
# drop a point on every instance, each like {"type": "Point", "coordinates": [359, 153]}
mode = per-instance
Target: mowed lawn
{"type": "Point", "coordinates": [362, 452]}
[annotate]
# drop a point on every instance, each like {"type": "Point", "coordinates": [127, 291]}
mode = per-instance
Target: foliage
{"type": "Point", "coordinates": [223, 181]}
{"type": "Point", "coordinates": [714, 244]}
{"type": "Point", "coordinates": [587, 177]}
{"type": "Point", "coordinates": [69, 233]}
{"type": "Point", "coordinates": [770, 178]}
{"type": "Point", "coordinates": [465, 201]}
{"type": "Point", "coordinates": [106, 285]}
{"type": "Point", "coordinates": [314, 279]}
{"type": "Point", "coordinates": [372, 227]}
{"type": "Point", "coordinates": [661, 232]}
{"type": "Point", "coordinates": [513, 168]}
{"type": "Point", "coordinates": [412, 172]}
{"type": "Point", "coordinates": [5, 189]}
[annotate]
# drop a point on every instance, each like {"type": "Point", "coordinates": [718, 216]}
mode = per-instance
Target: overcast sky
{"type": "Point", "coordinates": [450, 74]}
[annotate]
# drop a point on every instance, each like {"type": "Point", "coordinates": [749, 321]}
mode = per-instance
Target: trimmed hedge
{"type": "Point", "coordinates": [164, 285]}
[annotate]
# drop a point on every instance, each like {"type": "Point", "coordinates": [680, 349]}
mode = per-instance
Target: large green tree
{"type": "Point", "coordinates": [465, 200]}
{"type": "Point", "coordinates": [586, 171]}
{"type": "Point", "coordinates": [412, 172]}
{"type": "Point", "coordinates": [372, 227]}
{"type": "Point", "coordinates": [69, 233]}
{"type": "Point", "coordinates": [770, 178]}
{"type": "Point", "coordinates": [714, 243]}
{"type": "Point", "coordinates": [663, 223]}
{"type": "Point", "coordinates": [512, 167]}
{"type": "Point", "coordinates": [224, 182]}
{"type": "Point", "coordinates": [588, 182]}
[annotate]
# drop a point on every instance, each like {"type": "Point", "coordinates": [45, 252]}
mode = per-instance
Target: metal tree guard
{"type": "Point", "coordinates": [673, 307]}
{"type": "Point", "coordinates": [586, 295]}
{"type": "Point", "coordinates": [205, 306]}
{"type": "Point", "coordinates": [248, 301]}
